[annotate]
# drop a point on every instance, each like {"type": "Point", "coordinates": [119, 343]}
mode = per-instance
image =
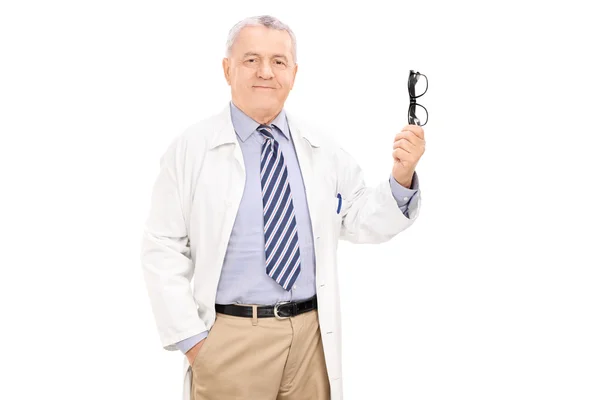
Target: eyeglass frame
{"type": "Point", "coordinates": [413, 77]}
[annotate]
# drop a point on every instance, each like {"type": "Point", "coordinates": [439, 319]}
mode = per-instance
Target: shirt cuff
{"type": "Point", "coordinates": [190, 342]}
{"type": "Point", "coordinates": [404, 195]}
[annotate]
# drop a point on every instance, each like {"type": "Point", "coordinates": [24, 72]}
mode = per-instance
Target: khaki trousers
{"type": "Point", "coordinates": [261, 359]}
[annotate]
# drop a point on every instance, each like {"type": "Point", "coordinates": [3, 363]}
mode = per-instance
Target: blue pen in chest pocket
{"type": "Point", "coordinates": [339, 207]}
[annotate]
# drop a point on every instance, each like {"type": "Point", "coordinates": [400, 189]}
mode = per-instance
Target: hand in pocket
{"type": "Point", "coordinates": [193, 352]}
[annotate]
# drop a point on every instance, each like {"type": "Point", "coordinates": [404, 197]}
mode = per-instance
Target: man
{"type": "Point", "coordinates": [250, 203]}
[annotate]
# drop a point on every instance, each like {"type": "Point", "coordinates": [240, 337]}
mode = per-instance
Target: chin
{"type": "Point", "coordinates": [266, 103]}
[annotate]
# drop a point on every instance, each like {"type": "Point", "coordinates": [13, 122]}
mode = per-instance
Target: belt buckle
{"type": "Point", "coordinates": [275, 309]}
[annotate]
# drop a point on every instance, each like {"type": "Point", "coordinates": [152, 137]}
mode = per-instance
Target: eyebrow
{"type": "Point", "coordinates": [250, 53]}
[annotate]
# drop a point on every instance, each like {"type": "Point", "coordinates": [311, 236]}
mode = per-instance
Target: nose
{"type": "Point", "coordinates": [265, 71]}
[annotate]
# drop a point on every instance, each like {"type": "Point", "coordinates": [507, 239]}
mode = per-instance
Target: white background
{"type": "Point", "coordinates": [493, 293]}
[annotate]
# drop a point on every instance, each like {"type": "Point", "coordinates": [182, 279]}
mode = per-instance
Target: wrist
{"type": "Point", "coordinates": [406, 180]}
{"type": "Point", "coordinates": [405, 183]}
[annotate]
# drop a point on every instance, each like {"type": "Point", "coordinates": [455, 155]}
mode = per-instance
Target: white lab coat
{"type": "Point", "coordinates": [197, 194]}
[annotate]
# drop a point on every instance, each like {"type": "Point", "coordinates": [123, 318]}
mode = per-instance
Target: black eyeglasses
{"type": "Point", "coordinates": [416, 90]}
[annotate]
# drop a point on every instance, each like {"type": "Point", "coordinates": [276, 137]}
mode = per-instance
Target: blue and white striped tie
{"type": "Point", "coordinates": [281, 236]}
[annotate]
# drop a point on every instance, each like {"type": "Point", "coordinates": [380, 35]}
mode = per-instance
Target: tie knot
{"type": "Point", "coordinates": [266, 130]}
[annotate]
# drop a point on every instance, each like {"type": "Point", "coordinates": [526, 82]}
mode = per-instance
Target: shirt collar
{"type": "Point", "coordinates": [244, 125]}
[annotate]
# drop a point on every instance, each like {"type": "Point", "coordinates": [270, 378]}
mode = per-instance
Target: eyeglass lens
{"type": "Point", "coordinates": [417, 115]}
{"type": "Point", "coordinates": [418, 86]}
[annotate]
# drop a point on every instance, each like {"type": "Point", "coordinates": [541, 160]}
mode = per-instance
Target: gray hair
{"type": "Point", "coordinates": [264, 20]}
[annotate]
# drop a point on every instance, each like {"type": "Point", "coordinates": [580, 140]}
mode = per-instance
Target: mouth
{"type": "Point", "coordinates": [263, 87]}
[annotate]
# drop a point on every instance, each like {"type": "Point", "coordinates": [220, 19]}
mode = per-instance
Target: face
{"type": "Point", "coordinates": [260, 71]}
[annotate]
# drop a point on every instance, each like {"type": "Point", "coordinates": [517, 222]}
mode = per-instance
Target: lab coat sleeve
{"type": "Point", "coordinates": [370, 214]}
{"type": "Point", "coordinates": [165, 253]}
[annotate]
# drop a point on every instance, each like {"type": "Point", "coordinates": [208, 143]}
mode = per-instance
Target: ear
{"type": "Point", "coordinates": [294, 76]}
{"type": "Point", "coordinates": [226, 70]}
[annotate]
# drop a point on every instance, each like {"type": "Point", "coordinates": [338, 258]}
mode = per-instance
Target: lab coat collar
{"type": "Point", "coordinates": [225, 133]}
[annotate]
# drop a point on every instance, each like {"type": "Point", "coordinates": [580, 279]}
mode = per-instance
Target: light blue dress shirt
{"type": "Point", "coordinates": [243, 277]}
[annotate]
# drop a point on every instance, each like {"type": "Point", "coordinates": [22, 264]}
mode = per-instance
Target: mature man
{"type": "Point", "coordinates": [250, 203]}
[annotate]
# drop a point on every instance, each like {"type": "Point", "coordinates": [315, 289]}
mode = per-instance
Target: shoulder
{"type": "Point", "coordinates": [197, 135]}
{"type": "Point", "coordinates": [205, 128]}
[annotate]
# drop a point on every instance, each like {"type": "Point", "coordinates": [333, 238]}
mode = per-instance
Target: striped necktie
{"type": "Point", "coordinates": [281, 236]}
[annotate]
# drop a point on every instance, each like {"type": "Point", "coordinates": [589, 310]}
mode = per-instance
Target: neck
{"type": "Point", "coordinates": [262, 116]}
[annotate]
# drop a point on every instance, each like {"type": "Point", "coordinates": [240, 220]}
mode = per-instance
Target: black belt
{"type": "Point", "coordinates": [281, 310]}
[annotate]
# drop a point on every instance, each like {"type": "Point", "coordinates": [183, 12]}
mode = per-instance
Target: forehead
{"type": "Point", "coordinates": [263, 41]}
